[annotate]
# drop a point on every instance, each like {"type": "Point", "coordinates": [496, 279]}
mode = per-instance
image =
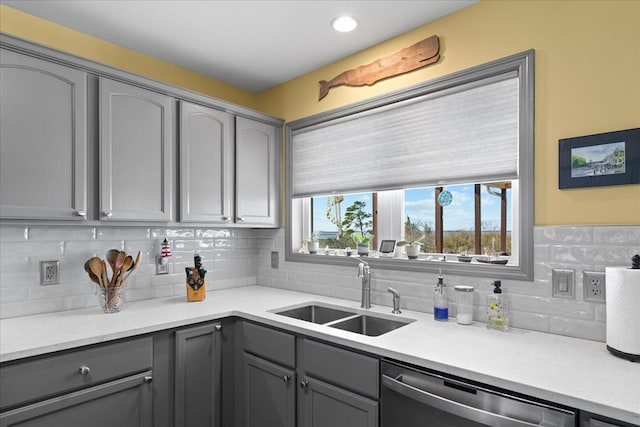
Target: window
{"type": "Point", "coordinates": [394, 161]}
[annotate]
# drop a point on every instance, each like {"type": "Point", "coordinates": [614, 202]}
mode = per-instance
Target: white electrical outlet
{"type": "Point", "coordinates": [593, 286]}
{"type": "Point", "coordinates": [49, 272]}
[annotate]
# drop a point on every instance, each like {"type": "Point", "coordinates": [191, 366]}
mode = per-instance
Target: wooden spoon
{"type": "Point", "coordinates": [126, 266]}
{"type": "Point", "coordinates": [95, 265]}
{"type": "Point", "coordinates": [117, 267]}
{"type": "Point", "coordinates": [112, 254]}
{"type": "Point", "coordinates": [133, 267]}
{"type": "Point", "coordinates": [92, 276]}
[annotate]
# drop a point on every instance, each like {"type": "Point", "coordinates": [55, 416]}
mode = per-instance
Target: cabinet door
{"type": "Point", "coordinates": [257, 173]}
{"type": "Point", "coordinates": [268, 394]}
{"type": "Point", "coordinates": [206, 164]}
{"type": "Point", "coordinates": [324, 405]}
{"type": "Point", "coordinates": [124, 403]}
{"type": "Point", "coordinates": [197, 376]}
{"type": "Point", "coordinates": [43, 139]}
{"type": "Point", "coordinates": [135, 153]}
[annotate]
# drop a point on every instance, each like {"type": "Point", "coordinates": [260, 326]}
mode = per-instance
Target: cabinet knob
{"type": "Point", "coordinates": [81, 213]}
{"type": "Point", "coordinates": [148, 379]}
{"type": "Point", "coordinates": [107, 214]}
{"type": "Point", "coordinates": [304, 384]}
{"type": "Point", "coordinates": [84, 370]}
{"type": "Point", "coordinates": [286, 379]}
{"type": "Point", "coordinates": [226, 218]}
{"type": "Point", "coordinates": [240, 219]}
{"type": "Point", "coordinates": [218, 327]}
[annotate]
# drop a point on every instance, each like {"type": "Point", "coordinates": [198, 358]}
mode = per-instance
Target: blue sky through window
{"type": "Point", "coordinates": [420, 206]}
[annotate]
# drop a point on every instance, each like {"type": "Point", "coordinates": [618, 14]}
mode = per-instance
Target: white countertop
{"type": "Point", "coordinates": [568, 371]}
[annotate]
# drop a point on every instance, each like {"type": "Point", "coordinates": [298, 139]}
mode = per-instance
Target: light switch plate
{"type": "Point", "coordinates": [275, 259]}
{"type": "Point", "coordinates": [563, 283]}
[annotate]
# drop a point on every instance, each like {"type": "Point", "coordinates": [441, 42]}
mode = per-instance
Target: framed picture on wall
{"type": "Point", "coordinates": [611, 158]}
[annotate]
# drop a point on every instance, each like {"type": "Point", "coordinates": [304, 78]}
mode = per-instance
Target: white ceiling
{"type": "Point", "coordinates": [249, 44]}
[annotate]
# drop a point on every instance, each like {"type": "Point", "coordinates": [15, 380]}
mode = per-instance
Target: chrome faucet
{"type": "Point", "coordinates": [364, 273]}
{"type": "Point", "coordinates": [396, 300]}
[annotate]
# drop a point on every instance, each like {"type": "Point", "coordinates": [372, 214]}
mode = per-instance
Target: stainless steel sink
{"type": "Point", "coordinates": [316, 313]}
{"type": "Point", "coordinates": [370, 325]}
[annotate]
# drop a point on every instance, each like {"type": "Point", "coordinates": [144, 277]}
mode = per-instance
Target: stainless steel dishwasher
{"type": "Point", "coordinates": [416, 398]}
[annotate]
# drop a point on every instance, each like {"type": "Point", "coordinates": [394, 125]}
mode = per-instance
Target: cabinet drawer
{"type": "Point", "coordinates": [43, 377]}
{"type": "Point", "coordinates": [340, 367]}
{"type": "Point", "coordinates": [269, 344]}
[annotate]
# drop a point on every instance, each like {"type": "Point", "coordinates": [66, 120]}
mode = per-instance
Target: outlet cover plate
{"type": "Point", "coordinates": [563, 283]}
{"type": "Point", "coordinates": [275, 259]}
{"type": "Point", "coordinates": [594, 286]}
{"type": "Point", "coordinates": [49, 272]}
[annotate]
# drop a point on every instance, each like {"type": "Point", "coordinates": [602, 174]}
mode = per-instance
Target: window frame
{"type": "Point", "coordinates": [523, 64]}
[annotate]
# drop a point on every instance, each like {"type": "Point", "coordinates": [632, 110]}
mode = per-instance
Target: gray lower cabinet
{"type": "Point", "coordinates": [43, 139]}
{"type": "Point", "coordinates": [104, 385]}
{"type": "Point", "coordinates": [197, 380]}
{"type": "Point", "coordinates": [292, 381]}
{"type": "Point", "coordinates": [269, 393]}
{"type": "Point", "coordinates": [136, 136]}
{"type": "Point", "coordinates": [325, 405]}
{"type": "Point", "coordinates": [258, 174]}
{"type": "Point", "coordinates": [124, 403]}
{"type": "Point", "coordinates": [338, 387]}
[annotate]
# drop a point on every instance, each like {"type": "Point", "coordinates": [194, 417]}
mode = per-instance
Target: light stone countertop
{"type": "Point", "coordinates": [569, 371]}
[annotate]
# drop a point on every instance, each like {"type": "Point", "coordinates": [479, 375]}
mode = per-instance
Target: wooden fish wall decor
{"type": "Point", "coordinates": [408, 59]}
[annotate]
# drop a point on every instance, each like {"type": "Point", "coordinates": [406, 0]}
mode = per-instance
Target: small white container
{"type": "Point", "coordinates": [464, 304]}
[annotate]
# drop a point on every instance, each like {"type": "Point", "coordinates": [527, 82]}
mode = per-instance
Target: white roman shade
{"type": "Point", "coordinates": [466, 134]}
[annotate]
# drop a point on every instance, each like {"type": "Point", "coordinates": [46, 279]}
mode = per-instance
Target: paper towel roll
{"type": "Point", "coordinates": [623, 311]}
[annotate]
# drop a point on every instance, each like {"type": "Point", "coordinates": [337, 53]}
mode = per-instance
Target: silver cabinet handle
{"type": "Point", "coordinates": [81, 213]}
{"type": "Point", "coordinates": [107, 214]}
{"type": "Point", "coordinates": [148, 379]}
{"type": "Point", "coordinates": [304, 384]}
{"type": "Point", "coordinates": [84, 370]}
{"type": "Point", "coordinates": [286, 379]}
{"type": "Point", "coordinates": [240, 219]}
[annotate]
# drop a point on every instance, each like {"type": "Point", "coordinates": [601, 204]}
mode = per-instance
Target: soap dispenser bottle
{"type": "Point", "coordinates": [497, 308]}
{"type": "Point", "coordinates": [440, 303]}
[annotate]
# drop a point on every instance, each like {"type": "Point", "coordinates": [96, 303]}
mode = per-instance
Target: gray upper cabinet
{"type": "Point", "coordinates": [135, 153]}
{"type": "Point", "coordinates": [43, 139]}
{"type": "Point", "coordinates": [206, 164]}
{"type": "Point", "coordinates": [257, 173]}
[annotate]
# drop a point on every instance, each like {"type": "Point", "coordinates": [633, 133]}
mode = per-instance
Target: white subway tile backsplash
{"type": "Point", "coordinates": [124, 233]}
{"type": "Point", "coordinates": [14, 233]}
{"type": "Point", "coordinates": [22, 247]}
{"type": "Point", "coordinates": [595, 331]}
{"type": "Point", "coordinates": [54, 249]}
{"type": "Point", "coordinates": [50, 233]}
{"type": "Point", "coordinates": [241, 257]}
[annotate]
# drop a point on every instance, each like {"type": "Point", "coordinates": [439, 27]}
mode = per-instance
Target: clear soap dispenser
{"type": "Point", "coordinates": [497, 308]}
{"type": "Point", "coordinates": [440, 303]}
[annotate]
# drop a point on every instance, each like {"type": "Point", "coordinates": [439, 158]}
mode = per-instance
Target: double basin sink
{"type": "Point", "coordinates": [352, 321]}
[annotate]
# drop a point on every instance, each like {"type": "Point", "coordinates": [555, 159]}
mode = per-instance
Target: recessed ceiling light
{"type": "Point", "coordinates": [344, 24]}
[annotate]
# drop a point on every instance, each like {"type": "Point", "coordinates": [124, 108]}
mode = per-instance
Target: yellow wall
{"type": "Point", "coordinates": [587, 81]}
{"type": "Point", "coordinates": [46, 33]}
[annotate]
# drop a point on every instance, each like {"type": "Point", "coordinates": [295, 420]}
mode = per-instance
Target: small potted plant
{"type": "Point", "coordinates": [312, 243]}
{"type": "Point", "coordinates": [362, 241]}
{"type": "Point", "coordinates": [412, 249]}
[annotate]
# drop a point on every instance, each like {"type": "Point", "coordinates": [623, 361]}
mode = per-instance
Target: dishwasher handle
{"type": "Point", "coordinates": [453, 407]}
